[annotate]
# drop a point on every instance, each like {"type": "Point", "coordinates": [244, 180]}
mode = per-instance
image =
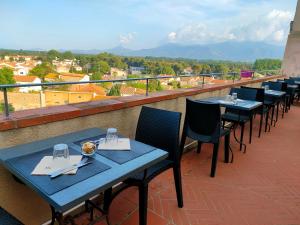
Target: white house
{"type": "Point", "coordinates": [20, 70]}
{"type": "Point", "coordinates": [136, 70]}
{"type": "Point", "coordinates": [28, 80]}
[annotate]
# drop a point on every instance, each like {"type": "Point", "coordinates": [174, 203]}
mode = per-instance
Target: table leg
{"type": "Point", "coordinates": [58, 216]}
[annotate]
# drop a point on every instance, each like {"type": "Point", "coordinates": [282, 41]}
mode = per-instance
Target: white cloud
{"type": "Point", "coordinates": [126, 38]}
{"type": "Point", "coordinates": [270, 27]}
{"type": "Point", "coordinates": [172, 36]}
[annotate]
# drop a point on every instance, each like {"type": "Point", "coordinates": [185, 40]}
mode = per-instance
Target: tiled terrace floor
{"type": "Point", "coordinates": [261, 187]}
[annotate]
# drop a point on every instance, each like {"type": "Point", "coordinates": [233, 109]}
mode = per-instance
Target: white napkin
{"type": "Point", "coordinates": [123, 144]}
{"type": "Point", "coordinates": [48, 165]}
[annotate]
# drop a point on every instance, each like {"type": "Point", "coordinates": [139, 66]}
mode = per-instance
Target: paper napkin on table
{"type": "Point", "coordinates": [121, 144]}
{"type": "Point", "coordinates": [48, 165]}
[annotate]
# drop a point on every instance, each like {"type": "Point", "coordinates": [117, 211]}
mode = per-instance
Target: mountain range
{"type": "Point", "coordinates": [234, 51]}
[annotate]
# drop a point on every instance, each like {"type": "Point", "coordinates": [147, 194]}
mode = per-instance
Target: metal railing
{"type": "Point", "coordinates": [6, 87]}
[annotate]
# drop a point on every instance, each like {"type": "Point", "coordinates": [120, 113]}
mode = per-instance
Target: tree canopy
{"type": "Point", "coordinates": [6, 76]}
{"type": "Point", "coordinates": [42, 70]}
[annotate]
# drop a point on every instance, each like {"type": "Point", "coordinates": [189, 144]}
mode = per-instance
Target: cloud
{"type": "Point", "coordinates": [172, 36]}
{"type": "Point", "coordinates": [126, 38]}
{"type": "Point", "coordinates": [271, 27]}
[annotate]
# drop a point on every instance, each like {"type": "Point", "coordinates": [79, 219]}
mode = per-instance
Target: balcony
{"type": "Point", "coordinates": [260, 187]}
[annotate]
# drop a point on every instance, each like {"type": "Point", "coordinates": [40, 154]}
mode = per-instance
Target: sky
{"type": "Point", "coordinates": [138, 24]}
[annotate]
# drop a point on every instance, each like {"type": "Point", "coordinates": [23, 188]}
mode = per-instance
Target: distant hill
{"type": "Point", "coordinates": [231, 51]}
{"type": "Point", "coordinates": [235, 51]}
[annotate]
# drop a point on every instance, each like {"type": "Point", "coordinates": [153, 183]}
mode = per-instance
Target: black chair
{"type": "Point", "coordinates": [7, 219]}
{"type": "Point", "coordinates": [295, 93]}
{"type": "Point", "coordinates": [276, 86]}
{"type": "Point", "coordinates": [239, 117]}
{"type": "Point", "coordinates": [263, 110]}
{"type": "Point", "coordinates": [203, 123]}
{"type": "Point", "coordinates": [158, 128]}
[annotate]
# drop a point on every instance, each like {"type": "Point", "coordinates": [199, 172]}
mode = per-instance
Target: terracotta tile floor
{"type": "Point", "coordinates": [261, 187]}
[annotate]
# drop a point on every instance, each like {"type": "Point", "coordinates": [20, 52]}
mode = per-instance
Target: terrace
{"type": "Point", "coordinates": [260, 187]}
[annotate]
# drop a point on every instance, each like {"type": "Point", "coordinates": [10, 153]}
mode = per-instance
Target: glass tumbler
{"type": "Point", "coordinates": [266, 87]}
{"type": "Point", "coordinates": [234, 97]}
{"type": "Point", "coordinates": [61, 151]}
{"type": "Point", "coordinates": [111, 136]}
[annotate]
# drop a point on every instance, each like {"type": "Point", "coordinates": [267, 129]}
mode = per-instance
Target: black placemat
{"type": "Point", "coordinates": [25, 164]}
{"type": "Point", "coordinates": [119, 156]}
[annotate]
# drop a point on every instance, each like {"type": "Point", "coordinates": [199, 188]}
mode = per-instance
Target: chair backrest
{"type": "Point", "coordinates": [289, 81]}
{"type": "Point", "coordinates": [202, 118]}
{"type": "Point", "coordinates": [160, 128]}
{"type": "Point", "coordinates": [260, 93]}
{"type": "Point", "coordinates": [276, 86]}
{"type": "Point", "coordinates": [245, 93]}
{"type": "Point", "coordinates": [295, 78]}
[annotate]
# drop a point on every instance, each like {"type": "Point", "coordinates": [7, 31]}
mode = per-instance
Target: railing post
{"type": "Point", "coordinates": [202, 81]}
{"type": "Point", "coordinates": [6, 106]}
{"type": "Point", "coordinates": [147, 87]}
{"type": "Point", "coordinates": [234, 73]}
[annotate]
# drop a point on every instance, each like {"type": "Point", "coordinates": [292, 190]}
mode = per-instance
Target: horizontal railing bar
{"type": "Point", "coordinates": [3, 86]}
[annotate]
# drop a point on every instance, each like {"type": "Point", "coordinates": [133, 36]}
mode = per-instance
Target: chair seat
{"type": "Point", "coordinates": [8, 219]}
{"type": "Point", "coordinates": [151, 171]}
{"type": "Point", "coordinates": [233, 117]}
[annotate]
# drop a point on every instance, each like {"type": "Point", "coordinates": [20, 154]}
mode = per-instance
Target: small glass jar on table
{"type": "Point", "coordinates": [61, 151]}
{"type": "Point", "coordinates": [111, 136]}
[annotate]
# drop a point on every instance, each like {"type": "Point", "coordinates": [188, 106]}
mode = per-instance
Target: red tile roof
{"type": "Point", "coordinates": [25, 78]}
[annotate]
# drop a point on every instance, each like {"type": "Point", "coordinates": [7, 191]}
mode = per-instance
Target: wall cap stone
{"type": "Point", "coordinates": [33, 117]}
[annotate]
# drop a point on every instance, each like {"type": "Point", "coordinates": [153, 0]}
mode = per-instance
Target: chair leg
{"type": "Point", "coordinates": [277, 111]}
{"type": "Point", "coordinates": [267, 119]}
{"type": "Point", "coordinates": [260, 124]}
{"type": "Point", "coordinates": [182, 143]}
{"type": "Point", "coordinates": [214, 160]}
{"type": "Point", "coordinates": [143, 204]}
{"type": "Point", "coordinates": [107, 199]}
{"type": "Point", "coordinates": [242, 136]}
{"type": "Point", "coordinates": [272, 116]}
{"type": "Point", "coordinates": [250, 131]}
{"type": "Point", "coordinates": [178, 185]}
{"type": "Point", "coordinates": [199, 147]}
{"type": "Point", "coordinates": [226, 148]}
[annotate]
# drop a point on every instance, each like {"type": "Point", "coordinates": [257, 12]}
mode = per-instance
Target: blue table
{"type": "Point", "coordinates": [69, 197]}
{"type": "Point", "coordinates": [245, 105]}
{"type": "Point", "coordinates": [239, 105]}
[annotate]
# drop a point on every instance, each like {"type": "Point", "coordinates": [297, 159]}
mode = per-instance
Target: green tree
{"type": "Point", "coordinates": [206, 69]}
{"type": "Point", "coordinates": [97, 76]}
{"type": "Point", "coordinates": [42, 70]}
{"type": "Point", "coordinates": [155, 85]}
{"type": "Point", "coordinates": [67, 55]}
{"type": "Point", "coordinates": [197, 68]}
{"type": "Point", "coordinates": [100, 67]}
{"type": "Point", "coordinates": [167, 70]}
{"type": "Point", "coordinates": [52, 55]}
{"type": "Point", "coordinates": [178, 68]}
{"type": "Point", "coordinates": [267, 64]}
{"type": "Point", "coordinates": [10, 107]}
{"type": "Point", "coordinates": [115, 90]}
{"type": "Point", "coordinates": [7, 76]}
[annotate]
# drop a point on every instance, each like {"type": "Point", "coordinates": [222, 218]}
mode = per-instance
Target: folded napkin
{"type": "Point", "coordinates": [48, 165]}
{"type": "Point", "coordinates": [121, 144]}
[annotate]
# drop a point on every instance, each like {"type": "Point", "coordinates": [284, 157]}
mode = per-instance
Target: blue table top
{"type": "Point", "coordinates": [79, 192]}
{"type": "Point", "coordinates": [274, 93]}
{"type": "Point", "coordinates": [240, 104]}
